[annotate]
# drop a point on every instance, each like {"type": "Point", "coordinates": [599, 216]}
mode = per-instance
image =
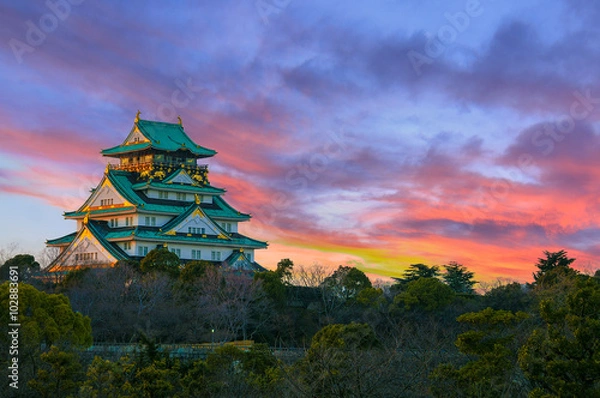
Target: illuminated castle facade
{"type": "Point", "coordinates": [157, 195]}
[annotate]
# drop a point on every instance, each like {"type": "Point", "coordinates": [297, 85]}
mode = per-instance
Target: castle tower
{"type": "Point", "coordinates": [156, 196]}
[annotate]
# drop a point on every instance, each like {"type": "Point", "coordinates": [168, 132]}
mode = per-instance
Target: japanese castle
{"type": "Point", "coordinates": [156, 196]}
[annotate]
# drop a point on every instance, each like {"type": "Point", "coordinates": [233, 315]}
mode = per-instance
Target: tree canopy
{"type": "Point", "coordinates": [162, 260]}
{"type": "Point", "coordinates": [459, 278]}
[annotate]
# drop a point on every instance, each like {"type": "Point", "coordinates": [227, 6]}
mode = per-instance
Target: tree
{"type": "Point", "coordinates": [59, 374]}
{"type": "Point", "coordinates": [553, 261]}
{"type": "Point", "coordinates": [416, 271]}
{"type": "Point", "coordinates": [105, 378]}
{"type": "Point", "coordinates": [45, 320]}
{"type": "Point", "coordinates": [312, 276]}
{"type": "Point", "coordinates": [162, 260]}
{"type": "Point", "coordinates": [273, 287]}
{"type": "Point", "coordinates": [562, 358]}
{"type": "Point", "coordinates": [285, 270]}
{"type": "Point", "coordinates": [512, 297]}
{"type": "Point", "coordinates": [25, 265]}
{"type": "Point", "coordinates": [429, 294]}
{"type": "Point", "coordinates": [194, 270]}
{"type": "Point", "coordinates": [491, 370]}
{"type": "Point", "coordinates": [458, 278]}
{"type": "Point", "coordinates": [346, 282]}
{"type": "Point", "coordinates": [342, 361]}
{"type": "Point", "coordinates": [232, 304]}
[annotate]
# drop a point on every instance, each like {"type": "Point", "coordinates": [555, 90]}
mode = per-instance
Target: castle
{"type": "Point", "coordinates": [156, 196]}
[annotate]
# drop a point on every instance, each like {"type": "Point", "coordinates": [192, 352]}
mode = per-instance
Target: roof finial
{"type": "Point", "coordinates": [137, 116]}
{"type": "Point", "coordinates": [180, 121]}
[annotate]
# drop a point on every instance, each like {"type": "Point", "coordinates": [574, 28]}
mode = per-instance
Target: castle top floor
{"type": "Point", "coordinates": [152, 143]}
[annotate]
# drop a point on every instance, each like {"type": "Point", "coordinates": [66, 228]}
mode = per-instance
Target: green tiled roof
{"type": "Point", "coordinates": [180, 218]}
{"type": "Point", "coordinates": [163, 137]}
{"type": "Point", "coordinates": [99, 231]}
{"type": "Point", "coordinates": [124, 181]}
{"type": "Point", "coordinates": [154, 234]}
{"type": "Point", "coordinates": [182, 187]}
{"type": "Point", "coordinates": [62, 240]}
{"type": "Point", "coordinates": [98, 211]}
{"type": "Point", "coordinates": [240, 257]}
{"type": "Point", "coordinates": [237, 240]}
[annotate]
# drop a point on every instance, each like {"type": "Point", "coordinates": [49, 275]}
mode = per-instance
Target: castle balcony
{"type": "Point", "coordinates": [155, 165]}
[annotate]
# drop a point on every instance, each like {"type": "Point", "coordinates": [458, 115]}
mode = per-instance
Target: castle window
{"type": "Point", "coordinates": [142, 250]}
{"type": "Point", "coordinates": [215, 256]}
{"type": "Point", "coordinates": [163, 195]}
{"type": "Point", "coordinates": [150, 221]}
{"type": "Point", "coordinates": [196, 254]}
{"type": "Point", "coordinates": [128, 221]}
{"type": "Point", "coordinates": [180, 196]}
{"type": "Point", "coordinates": [127, 245]}
{"type": "Point", "coordinates": [106, 202]}
{"type": "Point", "coordinates": [86, 256]}
{"type": "Point", "coordinates": [114, 222]}
{"type": "Point", "coordinates": [177, 252]}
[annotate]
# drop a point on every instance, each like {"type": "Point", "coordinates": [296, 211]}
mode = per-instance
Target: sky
{"type": "Point", "coordinates": [374, 134]}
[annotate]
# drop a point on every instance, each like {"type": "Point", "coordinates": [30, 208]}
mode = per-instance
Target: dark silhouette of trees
{"type": "Point", "coordinates": [561, 357]}
{"type": "Point", "coordinates": [416, 271]}
{"type": "Point", "coordinates": [25, 265]}
{"type": "Point", "coordinates": [458, 278]}
{"type": "Point", "coordinates": [162, 260]}
{"type": "Point", "coordinates": [552, 266]}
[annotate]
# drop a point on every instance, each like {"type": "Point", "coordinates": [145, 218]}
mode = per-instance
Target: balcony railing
{"type": "Point", "coordinates": [143, 166]}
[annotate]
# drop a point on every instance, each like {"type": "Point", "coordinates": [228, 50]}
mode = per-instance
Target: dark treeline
{"type": "Point", "coordinates": [427, 334]}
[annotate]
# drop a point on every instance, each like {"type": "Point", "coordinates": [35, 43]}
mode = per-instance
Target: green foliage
{"type": "Point", "coordinates": [45, 318]}
{"type": "Point", "coordinates": [563, 357]}
{"type": "Point", "coordinates": [553, 265]}
{"type": "Point", "coordinates": [156, 380]}
{"type": "Point", "coordinates": [416, 271]}
{"type": "Point", "coordinates": [73, 278]}
{"type": "Point", "coordinates": [26, 267]}
{"type": "Point", "coordinates": [229, 369]}
{"type": "Point", "coordinates": [458, 278]}
{"type": "Point", "coordinates": [273, 286]}
{"type": "Point", "coordinates": [194, 270]}
{"type": "Point", "coordinates": [492, 372]}
{"type": "Point", "coordinates": [429, 294]}
{"type": "Point", "coordinates": [161, 260]}
{"type": "Point", "coordinates": [59, 375]}
{"type": "Point", "coordinates": [512, 297]}
{"type": "Point", "coordinates": [346, 282]}
{"type": "Point", "coordinates": [354, 336]}
{"type": "Point", "coordinates": [371, 297]}
{"type": "Point", "coordinates": [274, 283]}
{"type": "Point", "coordinates": [285, 270]}
{"type": "Point", "coordinates": [337, 361]}
{"type": "Point", "coordinates": [105, 378]}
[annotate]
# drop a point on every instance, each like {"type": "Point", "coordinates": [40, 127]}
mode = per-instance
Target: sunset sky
{"type": "Point", "coordinates": [376, 134]}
